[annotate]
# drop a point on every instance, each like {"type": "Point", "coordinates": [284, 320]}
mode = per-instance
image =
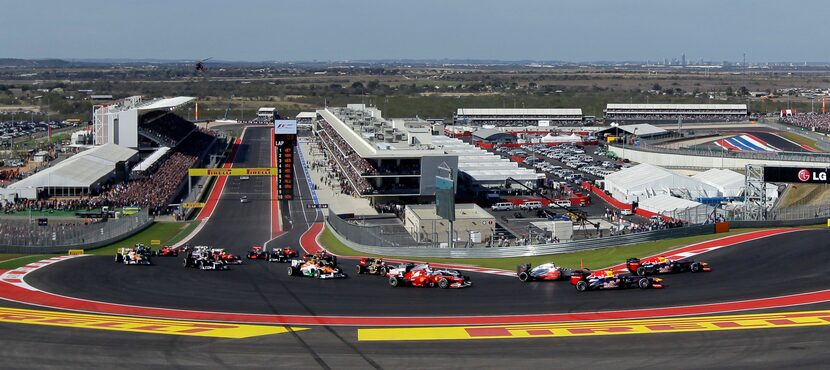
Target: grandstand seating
{"type": "Point", "coordinates": [347, 159]}
{"type": "Point", "coordinates": [818, 122]}
{"type": "Point", "coordinates": [165, 128]}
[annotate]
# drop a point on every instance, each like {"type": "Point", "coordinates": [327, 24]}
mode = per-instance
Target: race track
{"type": "Point", "coordinates": [774, 266]}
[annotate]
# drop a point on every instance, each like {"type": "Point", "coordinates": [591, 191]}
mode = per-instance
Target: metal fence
{"type": "Point", "coordinates": [23, 236]}
{"type": "Point", "coordinates": [517, 251]}
{"type": "Point", "coordinates": [379, 235]}
{"type": "Point", "coordinates": [678, 148]}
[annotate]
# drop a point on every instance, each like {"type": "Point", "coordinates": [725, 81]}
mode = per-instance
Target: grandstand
{"type": "Point", "coordinates": [383, 160]}
{"type": "Point", "coordinates": [82, 174]}
{"type": "Point", "coordinates": [106, 175]}
{"type": "Point", "coordinates": [518, 117]}
{"type": "Point", "coordinates": [670, 113]}
{"type": "Point", "coordinates": [126, 122]}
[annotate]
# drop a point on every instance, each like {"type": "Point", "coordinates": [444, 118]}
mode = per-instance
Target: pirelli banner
{"type": "Point", "coordinates": [799, 175]}
{"type": "Point", "coordinates": [232, 172]}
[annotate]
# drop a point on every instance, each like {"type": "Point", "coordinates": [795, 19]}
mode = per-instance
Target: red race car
{"type": "Point", "coordinates": [282, 254]}
{"type": "Point", "coordinates": [424, 276]}
{"type": "Point", "coordinates": [257, 253]}
{"type": "Point", "coordinates": [168, 251]}
{"type": "Point", "coordinates": [663, 265]}
{"type": "Point", "coordinates": [227, 257]}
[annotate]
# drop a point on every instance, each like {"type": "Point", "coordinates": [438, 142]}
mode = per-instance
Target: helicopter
{"type": "Point", "coordinates": [200, 65]}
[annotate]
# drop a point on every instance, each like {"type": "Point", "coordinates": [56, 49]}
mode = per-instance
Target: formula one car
{"type": "Point", "coordinates": [372, 266]}
{"type": "Point", "coordinates": [546, 271]}
{"type": "Point", "coordinates": [282, 254]}
{"type": "Point", "coordinates": [168, 251]}
{"type": "Point", "coordinates": [316, 268]}
{"type": "Point", "coordinates": [663, 265]}
{"type": "Point", "coordinates": [131, 256]}
{"type": "Point", "coordinates": [584, 280]}
{"type": "Point", "coordinates": [225, 256]}
{"type": "Point", "coordinates": [144, 250]}
{"type": "Point", "coordinates": [424, 276]}
{"type": "Point", "coordinates": [257, 253]}
{"type": "Point", "coordinates": [202, 259]}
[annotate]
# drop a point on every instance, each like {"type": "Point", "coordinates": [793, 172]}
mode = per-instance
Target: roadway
{"type": "Point", "coordinates": [773, 266]}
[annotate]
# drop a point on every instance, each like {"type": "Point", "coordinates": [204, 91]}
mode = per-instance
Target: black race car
{"type": "Point", "coordinates": [663, 265]}
{"type": "Point", "coordinates": [584, 280]}
{"type": "Point", "coordinates": [372, 266]}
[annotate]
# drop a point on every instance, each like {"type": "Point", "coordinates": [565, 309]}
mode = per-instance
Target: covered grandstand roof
{"type": "Point", "coordinates": [151, 159]}
{"type": "Point", "coordinates": [519, 112]}
{"type": "Point", "coordinates": [306, 115]}
{"type": "Point", "coordinates": [676, 106]}
{"type": "Point", "coordinates": [642, 130]}
{"type": "Point", "coordinates": [81, 170]}
{"type": "Point", "coordinates": [166, 103]}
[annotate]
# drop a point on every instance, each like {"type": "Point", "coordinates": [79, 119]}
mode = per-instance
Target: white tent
{"type": "Point", "coordinates": [682, 209]}
{"type": "Point", "coordinates": [645, 181]}
{"type": "Point", "coordinates": [729, 183]}
{"type": "Point", "coordinates": [572, 138]}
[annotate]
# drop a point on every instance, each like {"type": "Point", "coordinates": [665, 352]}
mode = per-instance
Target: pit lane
{"type": "Point", "coordinates": [778, 265]}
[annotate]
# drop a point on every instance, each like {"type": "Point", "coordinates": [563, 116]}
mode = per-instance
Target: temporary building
{"type": "Point", "coordinates": [645, 181]}
{"type": "Point", "coordinates": [683, 209]}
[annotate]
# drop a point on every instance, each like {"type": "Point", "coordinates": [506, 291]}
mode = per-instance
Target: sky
{"type": "Point", "coordinates": [336, 30]}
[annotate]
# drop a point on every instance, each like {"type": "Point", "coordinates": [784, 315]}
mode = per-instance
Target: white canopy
{"type": "Point", "coordinates": [645, 181]}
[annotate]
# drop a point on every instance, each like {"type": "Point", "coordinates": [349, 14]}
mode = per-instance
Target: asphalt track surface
{"type": "Point", "coordinates": [768, 136]}
{"type": "Point", "coordinates": [773, 266]}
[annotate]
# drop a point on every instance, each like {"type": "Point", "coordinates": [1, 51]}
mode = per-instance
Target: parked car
{"type": "Point", "coordinates": [502, 206]}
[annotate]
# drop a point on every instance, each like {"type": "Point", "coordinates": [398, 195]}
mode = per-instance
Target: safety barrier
{"type": "Point", "coordinates": [519, 251]}
{"type": "Point", "coordinates": [20, 236]}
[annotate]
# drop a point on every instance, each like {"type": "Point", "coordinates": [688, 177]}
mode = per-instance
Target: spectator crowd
{"type": "Point", "coordinates": [153, 190]}
{"type": "Point", "coordinates": [819, 122]}
{"type": "Point", "coordinates": [609, 117]}
{"type": "Point", "coordinates": [347, 165]}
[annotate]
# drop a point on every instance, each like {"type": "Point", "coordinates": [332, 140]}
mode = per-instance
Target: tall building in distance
{"type": "Point", "coordinates": [683, 60]}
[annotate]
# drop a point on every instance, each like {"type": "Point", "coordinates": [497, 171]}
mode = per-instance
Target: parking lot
{"type": "Point", "coordinates": [566, 167]}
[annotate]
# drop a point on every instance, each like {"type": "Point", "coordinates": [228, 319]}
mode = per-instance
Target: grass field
{"type": "Point", "coordinates": [8, 256]}
{"type": "Point", "coordinates": [805, 194]}
{"type": "Point", "coordinates": [792, 136]}
{"type": "Point", "coordinates": [592, 259]}
{"type": "Point", "coordinates": [165, 232]}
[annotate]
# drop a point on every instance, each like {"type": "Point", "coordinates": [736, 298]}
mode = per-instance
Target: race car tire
{"type": "Point", "coordinates": [292, 271]}
{"type": "Point", "coordinates": [524, 277]}
{"type": "Point", "coordinates": [394, 281]}
{"type": "Point", "coordinates": [581, 286]}
{"type": "Point", "coordinates": [644, 283]}
{"type": "Point", "coordinates": [359, 270]}
{"type": "Point", "coordinates": [696, 267]}
{"type": "Point", "coordinates": [186, 262]}
{"type": "Point", "coordinates": [383, 271]}
{"type": "Point", "coordinates": [119, 257]}
{"type": "Point", "coordinates": [641, 271]}
{"type": "Point", "coordinates": [317, 273]}
{"type": "Point", "coordinates": [443, 283]}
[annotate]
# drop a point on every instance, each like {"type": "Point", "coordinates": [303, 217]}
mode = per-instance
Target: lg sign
{"type": "Point", "coordinates": [806, 175]}
{"type": "Point", "coordinates": [796, 175]}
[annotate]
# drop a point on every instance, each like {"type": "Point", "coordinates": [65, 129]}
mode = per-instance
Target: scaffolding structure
{"type": "Point", "coordinates": [755, 199]}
